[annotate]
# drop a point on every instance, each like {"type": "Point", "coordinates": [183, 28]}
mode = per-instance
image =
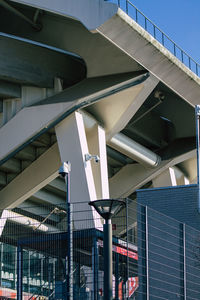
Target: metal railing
{"type": "Point", "coordinates": [158, 34]}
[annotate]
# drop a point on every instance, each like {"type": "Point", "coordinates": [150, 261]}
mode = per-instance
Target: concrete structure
{"type": "Point", "coordinates": [82, 77]}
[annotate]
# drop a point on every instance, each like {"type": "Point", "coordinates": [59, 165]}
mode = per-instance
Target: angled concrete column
{"type": "Point", "coordinates": [167, 178]}
{"type": "Point", "coordinates": [133, 176]}
{"type": "Point", "coordinates": [97, 146]}
{"type": "Point", "coordinates": [32, 179]}
{"type": "Point", "coordinates": [73, 146]}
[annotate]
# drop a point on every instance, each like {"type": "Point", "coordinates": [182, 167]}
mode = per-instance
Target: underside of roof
{"type": "Point", "coordinates": [110, 73]}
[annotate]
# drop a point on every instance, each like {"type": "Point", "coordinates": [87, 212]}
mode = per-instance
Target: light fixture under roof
{"type": "Point", "coordinates": [107, 208]}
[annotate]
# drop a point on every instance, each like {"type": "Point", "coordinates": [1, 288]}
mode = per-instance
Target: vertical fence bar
{"type": "Point", "coordinates": [184, 263]}
{"type": "Point", "coordinates": [1, 261]}
{"type": "Point", "coordinates": [197, 114]}
{"type": "Point", "coordinates": [174, 49]}
{"type": "Point", "coordinates": [127, 258]}
{"type": "Point", "coordinates": [65, 170]}
{"type": "Point", "coordinates": [154, 31]}
{"type": "Point", "coordinates": [189, 60]}
{"type": "Point", "coordinates": [145, 23]}
{"type": "Point", "coordinates": [196, 69]}
{"type": "Point", "coordinates": [147, 252]}
{"type": "Point", "coordinates": [19, 272]}
{"type": "Point", "coordinates": [127, 7]}
{"type": "Point", "coordinates": [182, 56]}
{"type": "Point", "coordinates": [95, 267]}
{"type": "Point", "coordinates": [116, 276]}
{"type": "Point", "coordinates": [136, 15]}
{"type": "Point", "coordinates": [163, 39]}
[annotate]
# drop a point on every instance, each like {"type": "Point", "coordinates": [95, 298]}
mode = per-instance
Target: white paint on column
{"type": "Point", "coordinates": [73, 146]}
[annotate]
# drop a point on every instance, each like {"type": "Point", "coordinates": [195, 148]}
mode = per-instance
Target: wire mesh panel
{"type": "Point", "coordinates": [34, 247]}
{"type": "Point", "coordinates": [168, 251]}
{"type": "Point", "coordinates": [154, 256]}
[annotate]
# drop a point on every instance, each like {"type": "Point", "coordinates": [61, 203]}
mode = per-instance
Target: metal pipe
{"type": "Point", "coordinates": [19, 14]}
{"type": "Point", "coordinates": [107, 229]}
{"type": "Point", "coordinates": [134, 150]}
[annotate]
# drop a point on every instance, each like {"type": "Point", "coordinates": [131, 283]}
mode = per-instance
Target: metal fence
{"type": "Point", "coordinates": [158, 34]}
{"type": "Point", "coordinates": [154, 256]}
{"type": "Point", "coordinates": [169, 260]}
{"type": "Point", "coordinates": [34, 244]}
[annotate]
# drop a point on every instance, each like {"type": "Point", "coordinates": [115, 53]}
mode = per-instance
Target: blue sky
{"type": "Point", "coordinates": [179, 19]}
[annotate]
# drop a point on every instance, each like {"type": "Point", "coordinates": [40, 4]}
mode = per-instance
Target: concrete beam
{"type": "Point", "coordinates": [17, 134]}
{"type": "Point", "coordinates": [37, 210]}
{"type": "Point", "coordinates": [32, 179]}
{"type": "Point", "coordinates": [13, 165]}
{"type": "Point", "coordinates": [57, 184]}
{"type": "Point", "coordinates": [49, 198]}
{"type": "Point", "coordinates": [9, 90]}
{"type": "Point", "coordinates": [3, 180]}
{"type": "Point", "coordinates": [89, 90]}
{"type": "Point", "coordinates": [137, 43]}
{"type": "Point", "coordinates": [91, 13]}
{"type": "Point", "coordinates": [35, 65]}
{"type": "Point", "coordinates": [134, 176]}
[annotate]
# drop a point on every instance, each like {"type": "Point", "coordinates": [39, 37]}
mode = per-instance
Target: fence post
{"type": "Point", "coordinates": [116, 276]}
{"type": "Point", "coordinates": [95, 268]}
{"type": "Point", "coordinates": [19, 272]}
{"type": "Point", "coordinates": [127, 258]}
{"type": "Point", "coordinates": [147, 251]}
{"type": "Point", "coordinates": [184, 263]}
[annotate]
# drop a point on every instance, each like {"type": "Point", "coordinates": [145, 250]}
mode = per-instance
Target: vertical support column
{"type": "Point", "coordinates": [127, 258]}
{"type": "Point", "coordinates": [73, 146]}
{"type": "Point", "coordinates": [19, 272]}
{"type": "Point", "coordinates": [107, 244]}
{"type": "Point", "coordinates": [116, 276]}
{"type": "Point", "coordinates": [147, 251]}
{"type": "Point", "coordinates": [95, 268]}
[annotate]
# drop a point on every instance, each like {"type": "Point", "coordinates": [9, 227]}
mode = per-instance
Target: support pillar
{"type": "Point", "coordinates": [107, 244]}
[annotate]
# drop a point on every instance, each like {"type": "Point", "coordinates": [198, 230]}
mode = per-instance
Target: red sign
{"type": "Point", "coordinates": [122, 251]}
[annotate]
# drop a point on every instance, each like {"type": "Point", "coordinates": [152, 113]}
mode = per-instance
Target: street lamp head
{"type": "Point", "coordinates": [107, 208]}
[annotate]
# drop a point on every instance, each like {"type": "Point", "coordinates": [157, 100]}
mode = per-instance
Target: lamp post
{"type": "Point", "coordinates": [64, 171]}
{"type": "Point", "coordinates": [107, 208]}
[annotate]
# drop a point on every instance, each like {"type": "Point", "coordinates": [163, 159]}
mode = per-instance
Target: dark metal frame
{"type": "Point", "coordinates": [34, 242]}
